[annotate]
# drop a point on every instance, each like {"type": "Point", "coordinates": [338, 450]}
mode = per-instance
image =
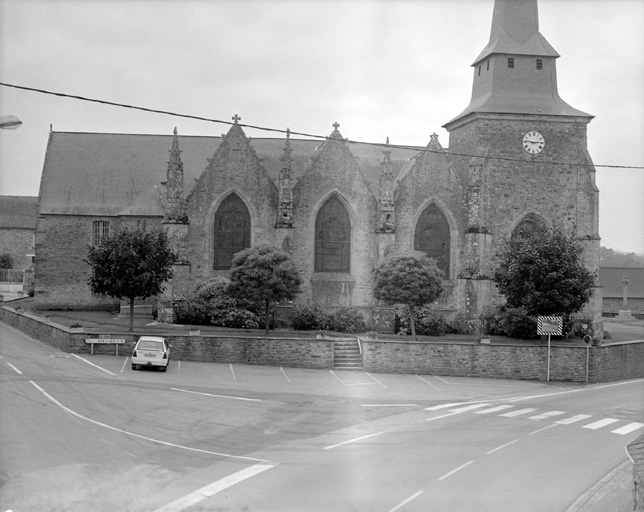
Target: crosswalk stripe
{"type": "Point", "coordinates": [600, 423]}
{"type": "Point", "coordinates": [546, 415]}
{"type": "Point", "coordinates": [512, 414]}
{"type": "Point", "coordinates": [444, 406]}
{"type": "Point", "coordinates": [494, 409]}
{"type": "Point", "coordinates": [627, 429]}
{"type": "Point", "coordinates": [573, 419]}
{"type": "Point", "coordinates": [469, 407]}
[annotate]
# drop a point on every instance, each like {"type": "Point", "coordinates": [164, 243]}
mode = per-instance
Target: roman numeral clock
{"type": "Point", "coordinates": [533, 142]}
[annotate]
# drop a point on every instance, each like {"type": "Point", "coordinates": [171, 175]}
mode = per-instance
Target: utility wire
{"type": "Point", "coordinates": [314, 136]}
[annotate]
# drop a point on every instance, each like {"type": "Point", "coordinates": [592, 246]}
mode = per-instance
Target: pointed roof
{"type": "Point", "coordinates": [515, 31]}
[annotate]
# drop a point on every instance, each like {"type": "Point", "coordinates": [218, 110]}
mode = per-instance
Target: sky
{"type": "Point", "coordinates": [380, 68]}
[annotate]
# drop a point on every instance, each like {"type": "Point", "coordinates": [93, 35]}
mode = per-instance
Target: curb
{"type": "Point", "coordinates": [584, 502]}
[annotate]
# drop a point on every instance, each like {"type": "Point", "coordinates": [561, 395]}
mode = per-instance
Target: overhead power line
{"type": "Point", "coordinates": [310, 135]}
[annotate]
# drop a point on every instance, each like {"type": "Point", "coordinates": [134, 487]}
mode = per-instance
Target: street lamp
{"type": "Point", "coordinates": [10, 122]}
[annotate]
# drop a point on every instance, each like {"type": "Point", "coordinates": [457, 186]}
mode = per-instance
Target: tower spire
{"type": "Point", "coordinates": [285, 215]}
{"type": "Point", "coordinates": [175, 210]}
{"type": "Point", "coordinates": [516, 71]}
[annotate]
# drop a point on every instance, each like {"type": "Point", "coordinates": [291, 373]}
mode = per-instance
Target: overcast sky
{"type": "Point", "coordinates": [398, 69]}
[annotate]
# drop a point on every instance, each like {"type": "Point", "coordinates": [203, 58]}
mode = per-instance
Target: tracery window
{"type": "Point", "coordinates": [528, 225]}
{"type": "Point", "coordinates": [432, 237]}
{"type": "Point", "coordinates": [231, 232]}
{"type": "Point", "coordinates": [332, 238]}
{"type": "Point", "coordinates": [100, 229]}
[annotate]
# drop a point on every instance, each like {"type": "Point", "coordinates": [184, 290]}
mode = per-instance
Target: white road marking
{"type": "Point", "coordinates": [445, 406]}
{"type": "Point", "coordinates": [352, 440]}
{"type": "Point", "coordinates": [402, 504]}
{"type": "Point", "coordinates": [600, 423]}
{"type": "Point", "coordinates": [469, 407]}
{"type": "Point", "coordinates": [573, 419]}
{"type": "Point", "coordinates": [443, 416]}
{"type": "Point", "coordinates": [502, 446]}
{"type": "Point", "coordinates": [389, 405]}
{"type": "Point", "coordinates": [94, 365]}
{"type": "Point", "coordinates": [152, 440]}
{"type": "Point", "coordinates": [232, 371]}
{"type": "Point", "coordinates": [494, 409]}
{"type": "Point", "coordinates": [427, 382]}
{"type": "Point", "coordinates": [443, 380]}
{"type": "Point", "coordinates": [376, 380]}
{"type": "Point", "coordinates": [217, 396]}
{"type": "Point", "coordinates": [546, 415]}
{"type": "Point", "coordinates": [211, 489]}
{"type": "Point", "coordinates": [454, 471]}
{"type": "Point", "coordinates": [512, 414]}
{"type": "Point", "coordinates": [627, 429]}
{"type": "Point", "coordinates": [542, 429]}
{"type": "Point", "coordinates": [285, 376]}
{"type": "Point", "coordinates": [331, 372]}
{"type": "Point", "coordinates": [15, 369]}
{"type": "Point", "coordinates": [125, 363]}
{"type": "Point", "coordinates": [519, 399]}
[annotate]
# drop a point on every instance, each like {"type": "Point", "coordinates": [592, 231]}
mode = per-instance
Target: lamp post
{"type": "Point", "coordinates": [10, 122]}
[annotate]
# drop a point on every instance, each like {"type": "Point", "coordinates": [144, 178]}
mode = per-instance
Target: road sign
{"type": "Point", "coordinates": [105, 340]}
{"type": "Point", "coordinates": [550, 325]}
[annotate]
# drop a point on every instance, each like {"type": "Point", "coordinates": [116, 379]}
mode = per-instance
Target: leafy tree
{"type": "Point", "coordinates": [131, 263]}
{"type": "Point", "coordinates": [542, 271]}
{"type": "Point", "coordinates": [412, 279]}
{"type": "Point", "coordinates": [6, 261]}
{"type": "Point", "coordinates": [264, 274]}
{"type": "Point", "coordinates": [610, 258]}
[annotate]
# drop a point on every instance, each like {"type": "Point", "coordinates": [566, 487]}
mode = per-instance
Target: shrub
{"type": "Point", "coordinates": [515, 323]}
{"type": "Point", "coordinates": [348, 320]}
{"type": "Point", "coordinates": [209, 304]}
{"type": "Point", "coordinates": [310, 317]}
{"type": "Point", "coordinates": [428, 321]}
{"type": "Point", "coordinates": [461, 324]}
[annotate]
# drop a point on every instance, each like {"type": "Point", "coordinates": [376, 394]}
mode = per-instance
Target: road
{"type": "Point", "coordinates": [88, 433]}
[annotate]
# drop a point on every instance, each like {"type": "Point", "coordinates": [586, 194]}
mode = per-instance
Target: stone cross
{"type": "Point", "coordinates": [336, 125]}
{"type": "Point", "coordinates": [625, 283]}
{"type": "Point", "coordinates": [236, 118]}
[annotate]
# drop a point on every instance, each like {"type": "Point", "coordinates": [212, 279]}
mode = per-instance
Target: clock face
{"type": "Point", "coordinates": [533, 142]}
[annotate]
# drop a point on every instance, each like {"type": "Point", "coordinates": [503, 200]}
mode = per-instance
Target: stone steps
{"type": "Point", "coordinates": [346, 355]}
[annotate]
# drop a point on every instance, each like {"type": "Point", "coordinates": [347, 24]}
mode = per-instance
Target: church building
{"type": "Point", "coordinates": [517, 156]}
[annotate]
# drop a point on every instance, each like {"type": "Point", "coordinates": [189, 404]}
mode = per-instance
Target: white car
{"type": "Point", "coordinates": [151, 351]}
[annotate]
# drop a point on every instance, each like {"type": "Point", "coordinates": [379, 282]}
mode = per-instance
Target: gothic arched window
{"type": "Point", "coordinates": [332, 238]}
{"type": "Point", "coordinates": [432, 237]}
{"type": "Point", "coordinates": [232, 231]}
{"type": "Point", "coordinates": [531, 223]}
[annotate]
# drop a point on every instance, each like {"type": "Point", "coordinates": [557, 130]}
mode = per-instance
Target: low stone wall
{"type": "Point", "coordinates": [526, 361]}
{"type": "Point", "coordinates": [518, 361]}
{"type": "Point", "coordinates": [636, 451]}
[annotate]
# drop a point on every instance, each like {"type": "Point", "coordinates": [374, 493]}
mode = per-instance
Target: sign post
{"type": "Point", "coordinates": [104, 339]}
{"type": "Point", "coordinates": [549, 325]}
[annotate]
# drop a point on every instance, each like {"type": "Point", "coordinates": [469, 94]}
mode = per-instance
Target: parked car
{"type": "Point", "coordinates": [151, 351]}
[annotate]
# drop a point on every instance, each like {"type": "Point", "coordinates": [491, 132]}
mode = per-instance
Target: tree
{"type": "Point", "coordinates": [542, 270]}
{"type": "Point", "coordinates": [6, 261]}
{"type": "Point", "coordinates": [264, 274]}
{"type": "Point", "coordinates": [131, 263]}
{"type": "Point", "coordinates": [412, 279]}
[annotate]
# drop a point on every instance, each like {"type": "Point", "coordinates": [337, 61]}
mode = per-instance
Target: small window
{"type": "Point", "coordinates": [511, 62]}
{"type": "Point", "coordinates": [488, 66]}
{"type": "Point", "coordinates": [539, 63]}
{"type": "Point", "coordinates": [479, 70]}
{"type": "Point", "coordinates": [101, 229]}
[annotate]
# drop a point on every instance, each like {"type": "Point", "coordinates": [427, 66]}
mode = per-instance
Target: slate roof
{"type": "Point", "coordinates": [611, 280]}
{"type": "Point", "coordinates": [18, 212]}
{"type": "Point", "coordinates": [107, 174]}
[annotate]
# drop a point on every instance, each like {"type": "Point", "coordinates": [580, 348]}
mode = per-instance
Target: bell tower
{"type": "Point", "coordinates": [522, 152]}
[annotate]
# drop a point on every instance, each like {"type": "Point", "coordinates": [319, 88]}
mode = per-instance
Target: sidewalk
{"type": "Point", "coordinates": [613, 493]}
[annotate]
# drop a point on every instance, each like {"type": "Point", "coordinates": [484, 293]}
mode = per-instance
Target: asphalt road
{"type": "Point", "coordinates": [88, 433]}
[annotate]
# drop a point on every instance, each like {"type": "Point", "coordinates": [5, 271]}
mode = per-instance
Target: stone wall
{"type": "Point", "coordinates": [636, 452]}
{"type": "Point", "coordinates": [521, 361]}
{"type": "Point", "coordinates": [614, 305]}
{"type": "Point", "coordinates": [18, 243]}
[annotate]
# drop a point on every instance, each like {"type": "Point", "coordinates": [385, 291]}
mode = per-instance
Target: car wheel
{"type": "Point", "coordinates": [134, 367]}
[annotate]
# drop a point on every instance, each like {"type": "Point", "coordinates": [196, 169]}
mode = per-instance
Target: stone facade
{"type": "Point", "coordinates": [455, 203]}
{"type": "Point", "coordinates": [18, 229]}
